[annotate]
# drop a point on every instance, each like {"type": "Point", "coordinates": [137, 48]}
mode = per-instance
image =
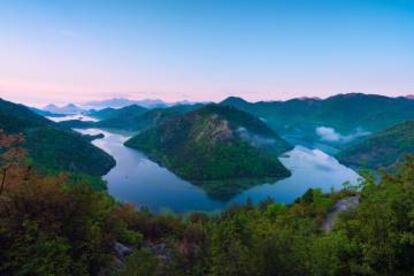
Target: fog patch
{"type": "Point", "coordinates": [329, 134]}
{"type": "Point", "coordinates": [254, 139]}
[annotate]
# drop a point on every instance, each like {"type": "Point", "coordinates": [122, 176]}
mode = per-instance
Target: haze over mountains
{"type": "Point", "coordinates": [334, 124]}
{"type": "Point", "coordinates": [341, 122]}
{"type": "Point", "coordinates": [224, 150]}
{"type": "Point", "coordinates": [337, 119]}
{"type": "Point", "coordinates": [68, 109]}
{"type": "Point", "coordinates": [123, 102]}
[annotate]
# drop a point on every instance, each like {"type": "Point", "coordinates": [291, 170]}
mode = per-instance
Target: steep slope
{"type": "Point", "coordinates": [215, 143]}
{"type": "Point", "coordinates": [382, 149]}
{"type": "Point", "coordinates": [51, 147]}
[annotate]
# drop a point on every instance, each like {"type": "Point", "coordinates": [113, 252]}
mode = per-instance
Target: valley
{"type": "Point", "coordinates": [167, 134]}
{"type": "Point", "coordinates": [206, 138]}
{"type": "Point", "coordinates": [138, 180]}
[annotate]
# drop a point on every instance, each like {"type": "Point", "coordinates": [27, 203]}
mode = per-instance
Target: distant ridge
{"type": "Point", "coordinates": [382, 149]}
{"type": "Point", "coordinates": [69, 109]}
{"type": "Point", "coordinates": [343, 113]}
{"type": "Point", "coordinates": [123, 102]}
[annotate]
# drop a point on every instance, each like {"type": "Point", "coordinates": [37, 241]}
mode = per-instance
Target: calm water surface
{"type": "Point", "coordinates": [138, 180]}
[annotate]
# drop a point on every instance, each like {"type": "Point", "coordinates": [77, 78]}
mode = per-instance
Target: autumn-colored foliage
{"type": "Point", "coordinates": [50, 225]}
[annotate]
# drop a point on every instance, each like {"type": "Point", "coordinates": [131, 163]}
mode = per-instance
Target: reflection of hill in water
{"type": "Point", "coordinates": [138, 180]}
{"type": "Point", "coordinates": [225, 190]}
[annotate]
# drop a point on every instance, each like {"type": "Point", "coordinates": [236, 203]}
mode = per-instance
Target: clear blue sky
{"type": "Point", "coordinates": [73, 50]}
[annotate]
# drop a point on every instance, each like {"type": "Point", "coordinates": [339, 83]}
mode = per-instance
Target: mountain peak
{"type": "Point", "coordinates": [232, 100]}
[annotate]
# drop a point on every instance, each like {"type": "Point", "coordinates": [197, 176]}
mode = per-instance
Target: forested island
{"type": "Point", "coordinates": [215, 143]}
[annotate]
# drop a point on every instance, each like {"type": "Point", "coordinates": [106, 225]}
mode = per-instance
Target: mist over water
{"type": "Point", "coordinates": [329, 134]}
{"type": "Point", "coordinates": [79, 117]}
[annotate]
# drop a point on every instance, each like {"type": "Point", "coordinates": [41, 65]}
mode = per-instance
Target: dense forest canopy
{"type": "Point", "coordinates": [382, 149]}
{"type": "Point", "coordinates": [51, 147]}
{"type": "Point", "coordinates": [349, 114]}
{"type": "Point", "coordinates": [215, 143]}
{"type": "Point", "coordinates": [51, 226]}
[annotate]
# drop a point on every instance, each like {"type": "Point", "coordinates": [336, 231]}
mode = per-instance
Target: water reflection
{"type": "Point", "coordinates": [138, 180]}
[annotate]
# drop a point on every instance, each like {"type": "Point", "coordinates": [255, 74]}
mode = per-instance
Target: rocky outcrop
{"type": "Point", "coordinates": [340, 206]}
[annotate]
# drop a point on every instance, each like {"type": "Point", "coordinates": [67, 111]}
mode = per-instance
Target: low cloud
{"type": "Point", "coordinates": [329, 134]}
{"type": "Point", "coordinates": [253, 139]}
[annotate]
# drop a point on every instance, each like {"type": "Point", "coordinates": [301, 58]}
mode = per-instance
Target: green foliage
{"type": "Point", "coordinates": [344, 112]}
{"type": "Point", "coordinates": [54, 149]}
{"type": "Point", "coordinates": [95, 182]}
{"type": "Point", "coordinates": [207, 144]}
{"type": "Point", "coordinates": [141, 263]}
{"type": "Point", "coordinates": [382, 149]}
{"type": "Point", "coordinates": [50, 147]}
{"type": "Point", "coordinates": [54, 226]}
{"type": "Point", "coordinates": [50, 230]}
{"type": "Point", "coordinates": [133, 118]}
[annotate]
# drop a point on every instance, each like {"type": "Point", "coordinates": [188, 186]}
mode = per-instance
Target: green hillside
{"type": "Point", "coordinates": [344, 112]}
{"type": "Point", "coordinates": [382, 149]}
{"type": "Point", "coordinates": [215, 143]}
{"type": "Point", "coordinates": [138, 119]}
{"type": "Point", "coordinates": [51, 147]}
{"type": "Point", "coordinates": [103, 114]}
{"type": "Point", "coordinates": [118, 114]}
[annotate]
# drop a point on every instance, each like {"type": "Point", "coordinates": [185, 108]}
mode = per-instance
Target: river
{"type": "Point", "coordinates": [140, 181]}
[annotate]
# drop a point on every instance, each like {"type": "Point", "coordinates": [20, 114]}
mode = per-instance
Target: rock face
{"type": "Point", "coordinates": [213, 143]}
{"type": "Point", "coordinates": [340, 206]}
{"type": "Point", "coordinates": [121, 250]}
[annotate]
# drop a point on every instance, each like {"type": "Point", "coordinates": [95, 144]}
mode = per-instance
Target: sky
{"type": "Point", "coordinates": [75, 50]}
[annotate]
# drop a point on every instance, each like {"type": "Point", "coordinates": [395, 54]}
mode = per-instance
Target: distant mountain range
{"type": "Point", "coordinates": [68, 109]}
{"type": "Point", "coordinates": [345, 116]}
{"type": "Point", "coordinates": [106, 106]}
{"type": "Point", "coordinates": [130, 118]}
{"type": "Point", "coordinates": [345, 122]}
{"type": "Point", "coordinates": [45, 113]}
{"type": "Point", "coordinates": [123, 102]}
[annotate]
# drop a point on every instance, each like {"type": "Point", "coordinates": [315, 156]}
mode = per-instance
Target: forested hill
{"type": "Point", "coordinates": [51, 147]}
{"type": "Point", "coordinates": [344, 112]}
{"type": "Point", "coordinates": [381, 150]}
{"type": "Point", "coordinates": [111, 113]}
{"type": "Point", "coordinates": [131, 118]}
{"type": "Point", "coordinates": [48, 227]}
{"type": "Point", "coordinates": [215, 142]}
